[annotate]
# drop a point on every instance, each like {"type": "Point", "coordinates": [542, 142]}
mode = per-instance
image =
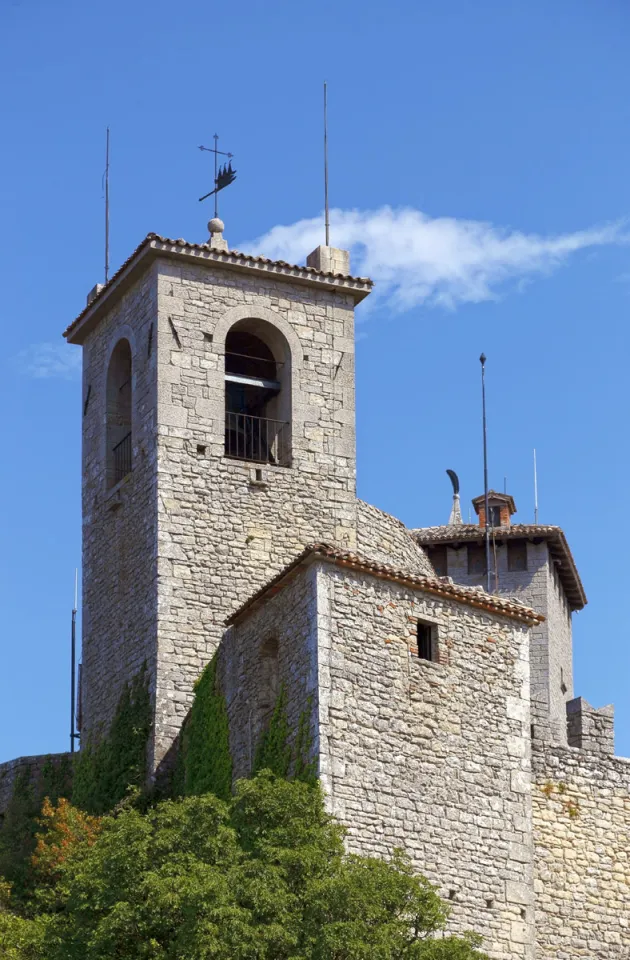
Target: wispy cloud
{"type": "Point", "coordinates": [49, 360]}
{"type": "Point", "coordinates": [416, 259]}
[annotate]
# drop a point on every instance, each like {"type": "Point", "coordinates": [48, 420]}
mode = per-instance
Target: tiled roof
{"type": "Point", "coordinates": [360, 286]}
{"type": "Point", "coordinates": [439, 586]}
{"type": "Point", "coordinates": [554, 536]}
{"type": "Point", "coordinates": [493, 495]}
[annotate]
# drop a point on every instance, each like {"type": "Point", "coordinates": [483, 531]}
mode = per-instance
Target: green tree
{"type": "Point", "coordinates": [263, 877]}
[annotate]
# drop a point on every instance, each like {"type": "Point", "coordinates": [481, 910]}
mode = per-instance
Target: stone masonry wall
{"type": "Point", "coordinates": [560, 653]}
{"type": "Point", "coordinates": [551, 645]}
{"type": "Point", "coordinates": [225, 526]}
{"type": "Point", "coordinates": [386, 539]}
{"type": "Point", "coordinates": [431, 757]}
{"type": "Point", "coordinates": [581, 815]}
{"type": "Point", "coordinates": [119, 524]}
{"type": "Point", "coordinates": [34, 766]}
{"type": "Point", "coordinates": [251, 685]}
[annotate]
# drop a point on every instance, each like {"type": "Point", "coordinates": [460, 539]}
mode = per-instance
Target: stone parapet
{"type": "Point", "coordinates": [591, 728]}
{"type": "Point", "coordinates": [32, 766]}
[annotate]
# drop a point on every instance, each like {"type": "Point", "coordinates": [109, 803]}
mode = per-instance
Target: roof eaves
{"type": "Point", "coordinates": [430, 536]}
{"type": "Point", "coordinates": [438, 586]}
{"type": "Point", "coordinates": [358, 287]}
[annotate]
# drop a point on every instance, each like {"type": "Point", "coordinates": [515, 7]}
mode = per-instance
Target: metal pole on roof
{"type": "Point", "coordinates": [326, 214]}
{"type": "Point", "coordinates": [482, 360]}
{"type": "Point", "coordinates": [73, 653]}
{"type": "Point", "coordinates": [107, 206]}
{"type": "Point", "coordinates": [535, 489]}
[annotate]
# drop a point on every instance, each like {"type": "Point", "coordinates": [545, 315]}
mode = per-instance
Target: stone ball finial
{"type": "Point", "coordinates": [216, 225]}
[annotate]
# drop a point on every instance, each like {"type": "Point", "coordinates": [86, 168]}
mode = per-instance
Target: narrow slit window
{"type": "Point", "coordinates": [426, 641]}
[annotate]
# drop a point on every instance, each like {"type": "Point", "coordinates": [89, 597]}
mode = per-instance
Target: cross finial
{"type": "Point", "coordinates": [223, 176]}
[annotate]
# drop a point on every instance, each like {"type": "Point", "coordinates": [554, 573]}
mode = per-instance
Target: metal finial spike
{"type": "Point", "coordinates": [455, 518]}
{"type": "Point", "coordinates": [454, 480]}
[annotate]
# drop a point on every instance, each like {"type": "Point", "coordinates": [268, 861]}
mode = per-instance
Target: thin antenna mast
{"type": "Point", "coordinates": [535, 489]}
{"type": "Point", "coordinates": [107, 207]}
{"type": "Point", "coordinates": [482, 360]}
{"type": "Point", "coordinates": [326, 214]}
{"type": "Point", "coordinates": [73, 653]}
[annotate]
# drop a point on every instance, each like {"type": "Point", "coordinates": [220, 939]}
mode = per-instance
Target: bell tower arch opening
{"type": "Point", "coordinates": [257, 393]}
{"type": "Point", "coordinates": [119, 408]}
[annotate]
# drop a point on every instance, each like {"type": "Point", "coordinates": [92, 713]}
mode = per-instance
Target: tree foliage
{"type": "Point", "coordinates": [19, 829]}
{"type": "Point", "coordinates": [263, 877]}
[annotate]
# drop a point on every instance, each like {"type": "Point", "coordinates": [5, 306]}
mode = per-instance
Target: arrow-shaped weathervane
{"type": "Point", "coordinates": [223, 176]}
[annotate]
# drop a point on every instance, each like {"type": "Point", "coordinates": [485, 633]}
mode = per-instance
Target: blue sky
{"type": "Point", "coordinates": [497, 134]}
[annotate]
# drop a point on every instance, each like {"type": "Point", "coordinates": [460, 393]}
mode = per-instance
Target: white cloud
{"type": "Point", "coordinates": [415, 259]}
{"type": "Point", "coordinates": [46, 360]}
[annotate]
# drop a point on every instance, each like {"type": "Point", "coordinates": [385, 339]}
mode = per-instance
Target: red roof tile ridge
{"type": "Point", "coordinates": [425, 536]}
{"type": "Point", "coordinates": [225, 256]}
{"type": "Point", "coordinates": [442, 586]}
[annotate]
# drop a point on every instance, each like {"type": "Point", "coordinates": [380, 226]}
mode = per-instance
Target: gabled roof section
{"type": "Point", "coordinates": [554, 537]}
{"type": "Point", "coordinates": [154, 246]}
{"type": "Point", "coordinates": [439, 586]}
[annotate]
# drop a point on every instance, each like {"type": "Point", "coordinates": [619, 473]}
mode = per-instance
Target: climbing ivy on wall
{"type": "Point", "coordinates": [305, 767]}
{"type": "Point", "coordinates": [105, 770]}
{"type": "Point", "coordinates": [204, 764]}
{"type": "Point", "coordinates": [274, 751]}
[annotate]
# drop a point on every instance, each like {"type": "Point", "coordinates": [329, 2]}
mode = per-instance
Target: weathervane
{"type": "Point", "coordinates": [223, 176]}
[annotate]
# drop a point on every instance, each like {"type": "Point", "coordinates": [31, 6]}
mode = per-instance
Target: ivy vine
{"type": "Point", "coordinates": [274, 751]}
{"type": "Point", "coordinates": [106, 769]}
{"type": "Point", "coordinates": [204, 763]}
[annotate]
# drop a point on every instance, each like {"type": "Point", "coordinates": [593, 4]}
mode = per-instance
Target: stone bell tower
{"type": "Point", "coordinates": [218, 440]}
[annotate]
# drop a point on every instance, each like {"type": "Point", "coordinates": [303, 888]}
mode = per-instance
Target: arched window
{"type": "Point", "coordinates": [257, 393]}
{"type": "Point", "coordinates": [119, 409]}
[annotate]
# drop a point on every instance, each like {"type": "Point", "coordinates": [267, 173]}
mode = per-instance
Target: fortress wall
{"type": "Point", "coordinates": [386, 539]}
{"type": "Point", "coordinates": [250, 680]}
{"type": "Point", "coordinates": [433, 757]}
{"type": "Point", "coordinates": [581, 815]}
{"type": "Point", "coordinates": [539, 587]}
{"type": "Point", "coordinates": [227, 526]}
{"type": "Point", "coordinates": [119, 524]}
{"type": "Point", "coordinates": [560, 654]}
{"type": "Point", "coordinates": [33, 766]}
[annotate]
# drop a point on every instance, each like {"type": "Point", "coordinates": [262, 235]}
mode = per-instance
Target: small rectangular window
{"type": "Point", "coordinates": [426, 641]}
{"type": "Point", "coordinates": [517, 554]}
{"type": "Point", "coordinates": [495, 516]}
{"type": "Point", "coordinates": [438, 558]}
{"type": "Point", "coordinates": [477, 558]}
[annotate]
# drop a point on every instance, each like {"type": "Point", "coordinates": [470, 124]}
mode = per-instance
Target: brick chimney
{"type": "Point", "coordinates": [501, 506]}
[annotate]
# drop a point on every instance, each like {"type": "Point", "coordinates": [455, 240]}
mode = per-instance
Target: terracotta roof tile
{"type": "Point", "coordinates": [439, 586]}
{"type": "Point", "coordinates": [554, 536]}
{"type": "Point", "coordinates": [228, 257]}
